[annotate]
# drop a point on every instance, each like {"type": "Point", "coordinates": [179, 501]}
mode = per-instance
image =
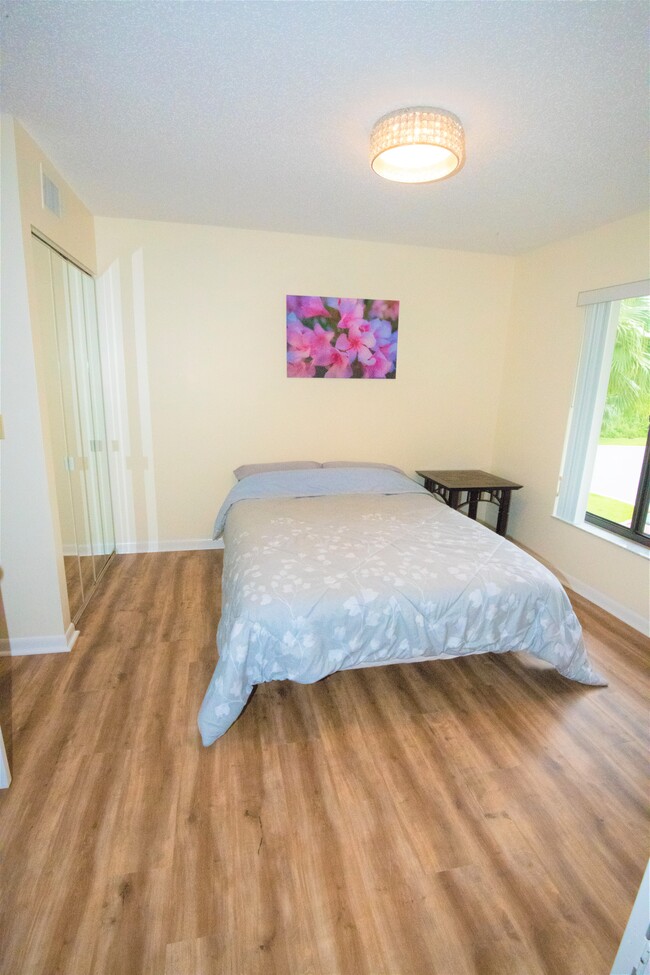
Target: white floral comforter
{"type": "Point", "coordinates": [317, 581]}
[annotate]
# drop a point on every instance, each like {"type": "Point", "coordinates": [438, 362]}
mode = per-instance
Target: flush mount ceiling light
{"type": "Point", "coordinates": [417, 145]}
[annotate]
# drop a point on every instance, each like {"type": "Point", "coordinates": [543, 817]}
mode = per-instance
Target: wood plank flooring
{"type": "Point", "coordinates": [474, 817]}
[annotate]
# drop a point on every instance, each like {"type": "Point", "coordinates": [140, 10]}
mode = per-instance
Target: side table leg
{"type": "Point", "coordinates": [504, 508]}
{"type": "Point", "coordinates": [473, 504]}
{"type": "Point", "coordinates": [454, 498]}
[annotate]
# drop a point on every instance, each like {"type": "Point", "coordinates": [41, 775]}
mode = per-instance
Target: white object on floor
{"type": "Point", "coordinates": [633, 956]}
{"type": "Point", "coordinates": [5, 774]}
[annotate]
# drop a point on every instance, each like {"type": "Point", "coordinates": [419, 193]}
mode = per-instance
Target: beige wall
{"type": "Point", "coordinates": [33, 587]}
{"type": "Point", "coordinates": [541, 357]}
{"type": "Point", "coordinates": [209, 304]}
{"type": "Point", "coordinates": [194, 340]}
{"type": "Point", "coordinates": [73, 232]}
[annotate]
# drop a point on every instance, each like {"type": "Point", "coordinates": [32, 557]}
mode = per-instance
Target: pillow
{"type": "Point", "coordinates": [289, 465]}
{"type": "Point", "coordinates": [360, 463]}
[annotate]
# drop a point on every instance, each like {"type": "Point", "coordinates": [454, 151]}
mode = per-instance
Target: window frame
{"type": "Point", "coordinates": [585, 418]}
{"type": "Point", "coordinates": [639, 519]}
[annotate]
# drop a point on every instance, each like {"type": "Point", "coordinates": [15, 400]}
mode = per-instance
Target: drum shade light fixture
{"type": "Point", "coordinates": [417, 145]}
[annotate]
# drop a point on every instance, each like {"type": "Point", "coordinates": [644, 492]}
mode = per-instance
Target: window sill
{"type": "Point", "coordinates": [619, 540]}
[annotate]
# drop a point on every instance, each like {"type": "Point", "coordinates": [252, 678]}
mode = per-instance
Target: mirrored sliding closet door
{"type": "Point", "coordinates": [71, 370]}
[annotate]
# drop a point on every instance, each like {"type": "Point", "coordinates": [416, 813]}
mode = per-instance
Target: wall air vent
{"type": "Point", "coordinates": [51, 195]}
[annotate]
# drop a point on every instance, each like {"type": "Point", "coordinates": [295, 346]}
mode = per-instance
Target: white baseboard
{"type": "Point", "coordinates": [636, 620]}
{"type": "Point", "coordinates": [623, 613]}
{"type": "Point", "coordinates": [168, 545]}
{"type": "Point", "coordinates": [23, 646]}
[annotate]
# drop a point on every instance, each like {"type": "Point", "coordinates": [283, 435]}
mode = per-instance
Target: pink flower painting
{"type": "Point", "coordinates": [341, 338]}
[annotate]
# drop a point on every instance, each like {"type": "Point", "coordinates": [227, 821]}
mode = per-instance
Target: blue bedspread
{"type": "Point", "coordinates": [330, 569]}
{"type": "Point", "coordinates": [316, 483]}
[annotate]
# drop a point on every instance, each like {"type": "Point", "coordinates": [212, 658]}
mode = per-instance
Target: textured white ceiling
{"type": "Point", "coordinates": [257, 114]}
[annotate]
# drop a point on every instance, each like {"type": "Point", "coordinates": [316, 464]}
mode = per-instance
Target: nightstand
{"type": "Point", "coordinates": [477, 486]}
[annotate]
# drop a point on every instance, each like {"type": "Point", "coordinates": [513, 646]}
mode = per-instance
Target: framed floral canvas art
{"type": "Point", "coordinates": [341, 338]}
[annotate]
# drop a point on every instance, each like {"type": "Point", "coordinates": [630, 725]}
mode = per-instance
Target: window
{"type": "Point", "coordinates": [605, 478]}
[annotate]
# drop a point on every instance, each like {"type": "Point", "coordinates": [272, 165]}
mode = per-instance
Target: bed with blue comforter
{"type": "Point", "coordinates": [334, 569]}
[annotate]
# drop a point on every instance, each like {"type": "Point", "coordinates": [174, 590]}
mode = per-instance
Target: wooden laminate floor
{"type": "Point", "coordinates": [475, 817]}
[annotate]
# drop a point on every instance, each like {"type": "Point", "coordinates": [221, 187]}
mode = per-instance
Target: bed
{"type": "Point", "coordinates": [335, 568]}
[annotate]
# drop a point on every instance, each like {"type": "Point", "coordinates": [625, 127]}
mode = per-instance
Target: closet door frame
{"type": "Point", "coordinates": [42, 238]}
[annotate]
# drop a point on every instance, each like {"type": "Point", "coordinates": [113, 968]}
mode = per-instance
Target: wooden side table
{"type": "Point", "coordinates": [477, 486]}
